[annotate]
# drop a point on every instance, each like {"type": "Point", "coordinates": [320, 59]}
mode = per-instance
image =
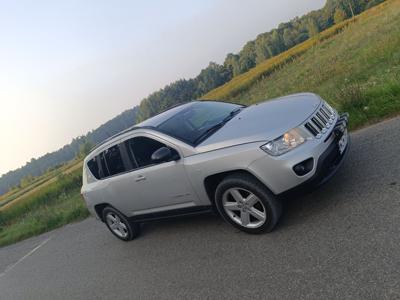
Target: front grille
{"type": "Point", "coordinates": [321, 121]}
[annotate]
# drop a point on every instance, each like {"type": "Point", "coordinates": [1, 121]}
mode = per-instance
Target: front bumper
{"type": "Point", "coordinates": [329, 161]}
{"type": "Point", "coordinates": [278, 172]}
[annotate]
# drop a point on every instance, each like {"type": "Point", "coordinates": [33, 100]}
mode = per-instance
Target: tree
{"type": "Point", "coordinates": [231, 63]}
{"type": "Point", "coordinates": [211, 77]}
{"type": "Point", "coordinates": [351, 8]}
{"type": "Point", "coordinates": [288, 38]}
{"type": "Point", "coordinates": [277, 42]}
{"type": "Point", "coordinates": [247, 59]}
{"type": "Point", "coordinates": [262, 48]}
{"type": "Point", "coordinates": [312, 27]}
{"type": "Point", "coordinates": [339, 16]}
{"type": "Point", "coordinates": [85, 148]}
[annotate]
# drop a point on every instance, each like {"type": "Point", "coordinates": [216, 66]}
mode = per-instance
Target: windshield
{"type": "Point", "coordinates": [198, 120]}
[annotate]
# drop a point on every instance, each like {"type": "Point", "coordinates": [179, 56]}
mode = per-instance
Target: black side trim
{"type": "Point", "coordinates": [195, 210]}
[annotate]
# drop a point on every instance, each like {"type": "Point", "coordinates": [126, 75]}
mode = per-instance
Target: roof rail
{"type": "Point", "coordinates": [115, 135]}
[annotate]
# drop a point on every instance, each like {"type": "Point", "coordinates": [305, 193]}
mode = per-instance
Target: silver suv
{"type": "Point", "coordinates": [207, 155]}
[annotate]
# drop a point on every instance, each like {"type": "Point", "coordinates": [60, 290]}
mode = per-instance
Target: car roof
{"type": "Point", "coordinates": [150, 123]}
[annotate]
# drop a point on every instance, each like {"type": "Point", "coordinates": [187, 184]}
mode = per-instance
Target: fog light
{"type": "Point", "coordinates": [304, 167]}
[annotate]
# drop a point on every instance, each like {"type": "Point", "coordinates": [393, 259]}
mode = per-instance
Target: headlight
{"type": "Point", "coordinates": [290, 140]}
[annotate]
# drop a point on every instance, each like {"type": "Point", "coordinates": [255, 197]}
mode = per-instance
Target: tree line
{"type": "Point", "coordinates": [266, 45]}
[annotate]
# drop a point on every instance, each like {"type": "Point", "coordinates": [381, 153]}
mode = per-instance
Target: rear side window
{"type": "Point", "coordinates": [94, 167]}
{"type": "Point", "coordinates": [107, 163]}
{"type": "Point", "coordinates": [114, 161]}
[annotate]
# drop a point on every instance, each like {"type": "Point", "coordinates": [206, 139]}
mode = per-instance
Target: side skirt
{"type": "Point", "coordinates": [172, 214]}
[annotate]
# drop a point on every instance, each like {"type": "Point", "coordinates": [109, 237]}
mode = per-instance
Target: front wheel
{"type": "Point", "coordinates": [119, 225]}
{"type": "Point", "coordinates": [247, 204]}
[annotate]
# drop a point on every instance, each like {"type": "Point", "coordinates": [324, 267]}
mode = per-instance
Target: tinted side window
{"type": "Point", "coordinates": [94, 167]}
{"type": "Point", "coordinates": [103, 166]}
{"type": "Point", "coordinates": [113, 158]}
{"type": "Point", "coordinates": [141, 149]}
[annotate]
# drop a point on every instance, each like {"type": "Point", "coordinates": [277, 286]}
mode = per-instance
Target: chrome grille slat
{"type": "Point", "coordinates": [325, 114]}
{"type": "Point", "coordinates": [314, 127]}
{"type": "Point", "coordinates": [326, 110]}
{"type": "Point", "coordinates": [320, 121]}
{"type": "Point", "coordinates": [321, 118]}
{"type": "Point", "coordinates": [311, 128]}
{"type": "Point", "coordinates": [329, 109]}
{"type": "Point", "coordinates": [317, 122]}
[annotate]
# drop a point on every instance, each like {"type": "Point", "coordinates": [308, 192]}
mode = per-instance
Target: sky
{"type": "Point", "coordinates": [67, 67]}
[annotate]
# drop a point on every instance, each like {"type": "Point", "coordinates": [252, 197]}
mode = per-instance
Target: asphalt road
{"type": "Point", "coordinates": [340, 242]}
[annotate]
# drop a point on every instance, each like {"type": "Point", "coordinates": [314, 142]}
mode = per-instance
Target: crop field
{"type": "Point", "coordinates": [38, 183]}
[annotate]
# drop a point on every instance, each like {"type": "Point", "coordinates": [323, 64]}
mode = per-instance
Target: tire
{"type": "Point", "coordinates": [247, 204]}
{"type": "Point", "coordinates": [123, 229]}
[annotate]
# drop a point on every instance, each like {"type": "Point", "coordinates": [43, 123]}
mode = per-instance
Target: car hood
{"type": "Point", "coordinates": [264, 121]}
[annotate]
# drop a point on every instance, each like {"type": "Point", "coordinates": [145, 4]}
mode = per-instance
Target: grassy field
{"type": "Point", "coordinates": [354, 65]}
{"type": "Point", "coordinates": [62, 210]}
{"type": "Point", "coordinates": [39, 182]}
{"type": "Point", "coordinates": [35, 209]}
{"type": "Point", "coordinates": [24, 195]}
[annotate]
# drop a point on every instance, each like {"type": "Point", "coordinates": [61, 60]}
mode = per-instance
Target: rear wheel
{"type": "Point", "coordinates": [119, 225]}
{"type": "Point", "coordinates": [247, 204]}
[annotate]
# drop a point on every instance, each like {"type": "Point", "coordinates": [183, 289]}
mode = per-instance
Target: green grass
{"type": "Point", "coordinates": [39, 182]}
{"type": "Point", "coordinates": [357, 69]}
{"type": "Point", "coordinates": [62, 210]}
{"type": "Point", "coordinates": [247, 79]}
{"type": "Point", "coordinates": [44, 209]}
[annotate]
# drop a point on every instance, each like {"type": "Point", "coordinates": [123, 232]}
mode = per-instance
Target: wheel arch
{"type": "Point", "coordinates": [99, 210]}
{"type": "Point", "coordinates": [212, 181]}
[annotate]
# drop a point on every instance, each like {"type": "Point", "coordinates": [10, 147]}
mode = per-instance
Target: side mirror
{"type": "Point", "coordinates": [163, 154]}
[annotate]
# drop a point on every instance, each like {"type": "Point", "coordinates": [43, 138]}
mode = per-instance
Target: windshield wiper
{"type": "Point", "coordinates": [217, 126]}
{"type": "Point", "coordinates": [232, 114]}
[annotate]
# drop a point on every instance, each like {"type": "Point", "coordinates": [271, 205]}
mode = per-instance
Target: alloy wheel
{"type": "Point", "coordinates": [117, 225]}
{"type": "Point", "coordinates": [244, 207]}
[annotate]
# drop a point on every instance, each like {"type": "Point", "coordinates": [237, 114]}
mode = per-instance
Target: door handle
{"type": "Point", "coordinates": [140, 178]}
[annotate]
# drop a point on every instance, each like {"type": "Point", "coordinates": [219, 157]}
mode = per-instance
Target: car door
{"type": "Point", "coordinates": [112, 168]}
{"type": "Point", "coordinates": [156, 186]}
